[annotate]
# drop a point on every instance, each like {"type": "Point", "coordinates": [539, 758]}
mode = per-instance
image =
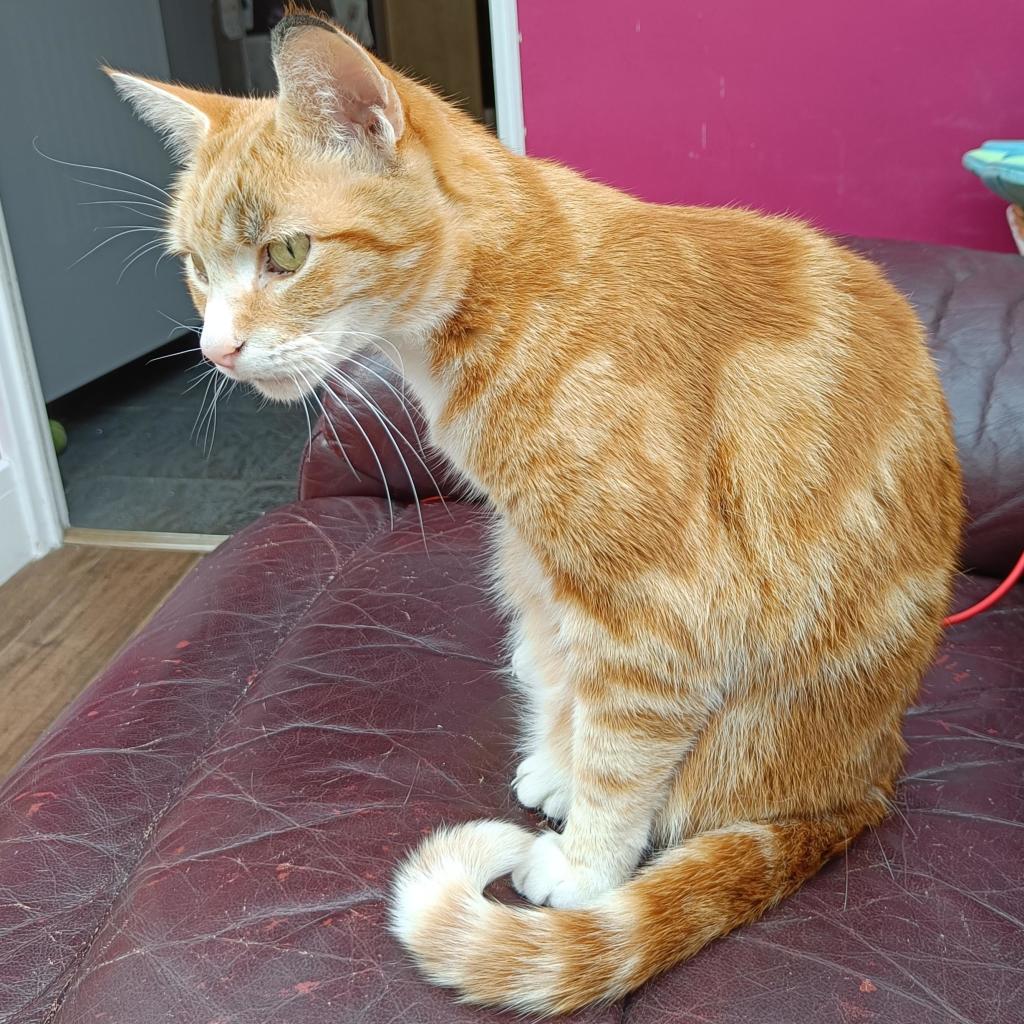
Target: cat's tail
{"type": "Point", "coordinates": [544, 961]}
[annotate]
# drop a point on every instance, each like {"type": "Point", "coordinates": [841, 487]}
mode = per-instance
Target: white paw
{"type": "Point", "coordinates": [546, 876]}
{"type": "Point", "coordinates": [539, 784]}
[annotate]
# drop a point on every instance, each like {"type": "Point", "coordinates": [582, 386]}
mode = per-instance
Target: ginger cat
{"type": "Point", "coordinates": [728, 499]}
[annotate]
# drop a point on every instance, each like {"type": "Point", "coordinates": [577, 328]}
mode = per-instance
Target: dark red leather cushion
{"type": "Point", "coordinates": [973, 306]}
{"type": "Point", "coordinates": [359, 452]}
{"type": "Point", "coordinates": [207, 834]}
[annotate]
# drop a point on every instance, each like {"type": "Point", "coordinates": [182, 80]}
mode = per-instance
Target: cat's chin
{"type": "Point", "coordinates": [278, 389]}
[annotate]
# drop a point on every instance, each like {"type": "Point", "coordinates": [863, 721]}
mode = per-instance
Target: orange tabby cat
{"type": "Point", "coordinates": [727, 497]}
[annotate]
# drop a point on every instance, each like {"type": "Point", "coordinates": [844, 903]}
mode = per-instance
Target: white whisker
{"type": "Point", "coordinates": [403, 400]}
{"type": "Point", "coordinates": [366, 337]}
{"type": "Point", "coordinates": [171, 355]}
{"type": "Point", "coordinates": [211, 416]}
{"type": "Point", "coordinates": [209, 381]}
{"type": "Point", "coordinates": [386, 422]}
{"type": "Point", "coordinates": [305, 409]}
{"type": "Point", "coordinates": [112, 238]}
{"type": "Point", "coordinates": [139, 253]}
{"type": "Point", "coordinates": [150, 200]}
{"type": "Point", "coordinates": [141, 227]}
{"type": "Point", "coordinates": [217, 392]}
{"type": "Point", "coordinates": [194, 328]}
{"type": "Point", "coordinates": [341, 447]}
{"type": "Point", "coordinates": [369, 444]}
{"type": "Point", "coordinates": [377, 340]}
{"type": "Point", "coordinates": [200, 377]}
{"type": "Point", "coordinates": [164, 255]}
{"type": "Point", "coordinates": [142, 245]}
{"type": "Point", "coordinates": [213, 383]}
{"type": "Point", "coordinates": [94, 167]}
{"type": "Point", "coordinates": [391, 438]}
{"type": "Point", "coordinates": [128, 206]}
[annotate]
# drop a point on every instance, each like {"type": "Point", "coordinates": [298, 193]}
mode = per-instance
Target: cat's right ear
{"type": "Point", "coordinates": [332, 89]}
{"type": "Point", "coordinates": [182, 116]}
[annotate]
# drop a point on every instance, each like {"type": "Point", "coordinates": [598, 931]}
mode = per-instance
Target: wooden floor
{"type": "Point", "coordinates": [62, 619]}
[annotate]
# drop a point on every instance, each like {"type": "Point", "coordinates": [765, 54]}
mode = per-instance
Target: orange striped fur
{"type": "Point", "coordinates": [728, 499]}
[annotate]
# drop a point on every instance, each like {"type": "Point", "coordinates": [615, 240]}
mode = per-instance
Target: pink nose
{"type": "Point", "coordinates": [224, 355]}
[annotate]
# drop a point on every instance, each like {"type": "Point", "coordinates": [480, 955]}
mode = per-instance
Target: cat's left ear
{"type": "Point", "coordinates": [182, 116]}
{"type": "Point", "coordinates": [332, 87]}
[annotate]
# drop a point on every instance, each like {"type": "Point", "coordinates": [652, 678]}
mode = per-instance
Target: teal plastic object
{"type": "Point", "coordinates": [1000, 165]}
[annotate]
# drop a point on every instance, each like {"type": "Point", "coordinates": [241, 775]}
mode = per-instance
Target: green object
{"type": "Point", "coordinates": [60, 436]}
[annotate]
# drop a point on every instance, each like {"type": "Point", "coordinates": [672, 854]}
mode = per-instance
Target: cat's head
{"type": "Point", "coordinates": [310, 223]}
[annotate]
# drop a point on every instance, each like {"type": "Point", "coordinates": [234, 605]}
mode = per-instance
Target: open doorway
{"type": "Point", "coordinates": [114, 336]}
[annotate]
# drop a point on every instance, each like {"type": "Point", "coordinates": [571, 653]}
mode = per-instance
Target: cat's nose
{"type": "Point", "coordinates": [225, 354]}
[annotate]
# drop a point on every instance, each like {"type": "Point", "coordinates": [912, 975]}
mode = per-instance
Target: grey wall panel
{"type": "Point", "coordinates": [82, 321]}
{"type": "Point", "coordinates": [191, 48]}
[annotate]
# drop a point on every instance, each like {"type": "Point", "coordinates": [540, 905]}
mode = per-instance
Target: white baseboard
{"type": "Point", "coordinates": [202, 542]}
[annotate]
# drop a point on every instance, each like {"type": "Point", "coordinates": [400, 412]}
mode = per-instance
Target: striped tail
{"type": "Point", "coordinates": [543, 961]}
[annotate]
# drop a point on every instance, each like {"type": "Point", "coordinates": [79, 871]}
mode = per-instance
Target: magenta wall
{"type": "Point", "coordinates": [853, 114]}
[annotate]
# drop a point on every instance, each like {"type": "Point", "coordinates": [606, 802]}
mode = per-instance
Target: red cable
{"type": "Point", "coordinates": [987, 602]}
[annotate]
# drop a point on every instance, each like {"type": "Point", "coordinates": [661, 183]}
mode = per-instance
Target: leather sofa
{"type": "Point", "coordinates": [206, 835]}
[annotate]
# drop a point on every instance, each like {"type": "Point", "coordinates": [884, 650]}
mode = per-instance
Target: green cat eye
{"type": "Point", "coordinates": [286, 255]}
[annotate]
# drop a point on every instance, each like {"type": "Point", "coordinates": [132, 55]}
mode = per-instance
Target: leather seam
{"type": "Point", "coordinates": [149, 830]}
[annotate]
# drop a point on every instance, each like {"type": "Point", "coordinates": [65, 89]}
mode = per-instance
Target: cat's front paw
{"type": "Point", "coordinates": [545, 876]}
{"type": "Point", "coordinates": [540, 785]}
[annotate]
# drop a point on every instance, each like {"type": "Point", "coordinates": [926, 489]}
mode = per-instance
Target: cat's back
{"type": "Point", "coordinates": [799, 374]}
{"type": "Point", "coordinates": [727, 293]}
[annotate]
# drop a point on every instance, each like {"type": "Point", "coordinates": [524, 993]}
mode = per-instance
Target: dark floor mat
{"type": "Point", "coordinates": [140, 455]}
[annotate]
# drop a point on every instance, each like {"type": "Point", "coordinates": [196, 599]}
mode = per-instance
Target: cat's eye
{"type": "Point", "coordinates": [286, 255]}
{"type": "Point", "coordinates": [198, 267]}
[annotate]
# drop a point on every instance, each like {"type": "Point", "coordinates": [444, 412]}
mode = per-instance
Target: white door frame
{"type": "Point", "coordinates": [33, 512]}
{"type": "Point", "coordinates": [508, 84]}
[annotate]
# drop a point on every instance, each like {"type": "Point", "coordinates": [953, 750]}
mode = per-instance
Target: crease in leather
{"type": "Point", "coordinates": [69, 975]}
